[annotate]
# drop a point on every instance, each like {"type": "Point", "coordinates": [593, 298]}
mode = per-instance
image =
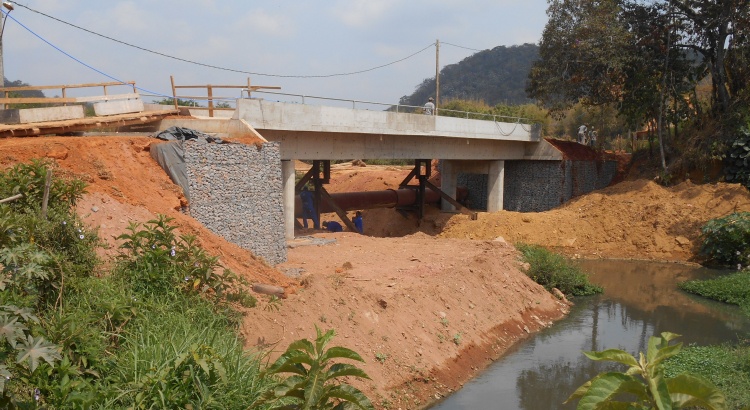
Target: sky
{"type": "Point", "coordinates": [296, 45]}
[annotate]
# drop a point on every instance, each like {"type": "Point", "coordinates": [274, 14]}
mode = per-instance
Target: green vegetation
{"type": "Point", "coordinates": [554, 271]}
{"type": "Point", "coordinates": [727, 367]}
{"type": "Point", "coordinates": [158, 331]}
{"type": "Point", "coordinates": [180, 102]}
{"type": "Point", "coordinates": [495, 76]}
{"type": "Point", "coordinates": [726, 241]}
{"type": "Point", "coordinates": [734, 289]}
{"type": "Point", "coordinates": [315, 386]}
{"type": "Point", "coordinates": [645, 385]}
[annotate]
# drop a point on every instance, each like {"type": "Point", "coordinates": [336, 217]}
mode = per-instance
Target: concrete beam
{"type": "Point", "coordinates": [118, 107]}
{"type": "Point", "coordinates": [287, 197]}
{"type": "Point", "coordinates": [267, 115]}
{"type": "Point", "coordinates": [495, 186]}
{"type": "Point", "coordinates": [45, 114]}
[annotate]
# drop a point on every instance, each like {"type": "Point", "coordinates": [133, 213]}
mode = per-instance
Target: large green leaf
{"type": "Point", "coordinates": [664, 353]}
{"type": "Point", "coordinates": [614, 355]}
{"type": "Point", "coordinates": [659, 391]}
{"type": "Point", "coordinates": [288, 360]}
{"type": "Point", "coordinates": [352, 395]}
{"type": "Point", "coordinates": [11, 330]}
{"type": "Point", "coordinates": [343, 369]}
{"type": "Point", "coordinates": [33, 350]}
{"type": "Point", "coordinates": [322, 340]}
{"type": "Point", "coordinates": [608, 385]}
{"type": "Point", "coordinates": [315, 387]}
{"type": "Point", "coordinates": [338, 352]}
{"type": "Point", "coordinates": [689, 391]}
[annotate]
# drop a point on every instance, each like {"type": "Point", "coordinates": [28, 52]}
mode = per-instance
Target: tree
{"type": "Point", "coordinates": [584, 55]}
{"type": "Point", "coordinates": [645, 381]}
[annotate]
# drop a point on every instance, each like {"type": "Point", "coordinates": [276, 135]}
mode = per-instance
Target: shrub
{"type": "Point", "coordinates": [553, 271]}
{"type": "Point", "coordinates": [156, 262]}
{"type": "Point", "coordinates": [738, 159]}
{"type": "Point", "coordinates": [726, 241]}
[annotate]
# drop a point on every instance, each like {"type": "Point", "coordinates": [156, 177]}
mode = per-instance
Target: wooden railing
{"type": "Point", "coordinates": [7, 99]}
{"type": "Point", "coordinates": [210, 97]}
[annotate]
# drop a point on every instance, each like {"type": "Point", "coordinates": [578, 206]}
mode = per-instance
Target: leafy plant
{"type": "Point", "coordinates": [726, 241]}
{"type": "Point", "coordinates": [314, 383]}
{"type": "Point", "coordinates": [553, 271]}
{"type": "Point", "coordinates": [457, 339]}
{"type": "Point", "coordinates": [155, 261]}
{"type": "Point", "coordinates": [646, 383]}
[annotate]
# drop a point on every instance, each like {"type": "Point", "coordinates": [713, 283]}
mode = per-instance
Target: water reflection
{"type": "Point", "coordinates": [641, 299]}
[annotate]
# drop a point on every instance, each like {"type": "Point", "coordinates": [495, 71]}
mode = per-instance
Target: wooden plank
{"type": "Point", "coordinates": [210, 85]}
{"type": "Point", "coordinates": [36, 100]}
{"type": "Point", "coordinates": [204, 97]}
{"type": "Point", "coordinates": [59, 87]}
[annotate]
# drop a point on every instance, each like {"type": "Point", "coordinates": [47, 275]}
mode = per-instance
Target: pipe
{"type": "Point", "coordinates": [390, 198]}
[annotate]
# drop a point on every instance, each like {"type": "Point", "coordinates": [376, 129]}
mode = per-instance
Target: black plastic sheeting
{"type": "Point", "coordinates": [171, 155]}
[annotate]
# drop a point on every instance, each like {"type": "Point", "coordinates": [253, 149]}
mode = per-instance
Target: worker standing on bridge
{"type": "Point", "coordinates": [358, 222]}
{"type": "Point", "coordinates": [429, 108]}
{"type": "Point", "coordinates": [308, 208]}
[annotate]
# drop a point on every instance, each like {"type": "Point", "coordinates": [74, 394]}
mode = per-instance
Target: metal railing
{"type": "Point", "coordinates": [404, 108]}
{"type": "Point", "coordinates": [210, 94]}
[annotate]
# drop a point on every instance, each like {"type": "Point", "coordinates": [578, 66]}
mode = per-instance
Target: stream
{"type": "Point", "coordinates": [640, 299]}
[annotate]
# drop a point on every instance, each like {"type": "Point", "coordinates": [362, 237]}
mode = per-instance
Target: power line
{"type": "Point", "coordinates": [79, 61]}
{"type": "Point", "coordinates": [219, 67]}
{"type": "Point", "coordinates": [466, 48]}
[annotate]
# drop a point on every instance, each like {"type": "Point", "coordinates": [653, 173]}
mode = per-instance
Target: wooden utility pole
{"type": "Point", "coordinates": [437, 75]}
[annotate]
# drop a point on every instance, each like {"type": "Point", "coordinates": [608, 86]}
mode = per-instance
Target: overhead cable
{"type": "Point", "coordinates": [219, 67]}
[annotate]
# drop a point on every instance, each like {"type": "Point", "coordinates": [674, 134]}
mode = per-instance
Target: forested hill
{"type": "Point", "coordinates": [493, 76]}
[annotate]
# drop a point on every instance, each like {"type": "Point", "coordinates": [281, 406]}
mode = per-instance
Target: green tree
{"type": "Point", "coordinates": [645, 381]}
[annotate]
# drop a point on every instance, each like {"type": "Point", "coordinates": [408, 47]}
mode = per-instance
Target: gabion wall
{"type": "Point", "coordinates": [235, 191]}
{"type": "Point", "coordinates": [536, 186]}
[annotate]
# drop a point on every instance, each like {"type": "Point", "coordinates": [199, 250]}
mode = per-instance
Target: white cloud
{"type": "Point", "coordinates": [361, 13]}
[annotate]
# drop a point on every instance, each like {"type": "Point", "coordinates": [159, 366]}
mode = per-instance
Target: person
{"type": "Point", "coordinates": [358, 222]}
{"type": "Point", "coordinates": [308, 208]}
{"type": "Point", "coordinates": [333, 226]}
{"type": "Point", "coordinates": [592, 137]}
{"type": "Point", "coordinates": [582, 133]}
{"type": "Point", "coordinates": [429, 108]}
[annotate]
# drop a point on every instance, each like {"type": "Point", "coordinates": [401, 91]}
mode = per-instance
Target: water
{"type": "Point", "coordinates": [641, 299]}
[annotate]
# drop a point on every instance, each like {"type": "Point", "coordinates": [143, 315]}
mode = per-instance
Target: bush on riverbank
{"type": "Point", "coordinates": [726, 241]}
{"type": "Point", "coordinates": [554, 271]}
{"type": "Point", "coordinates": [733, 289]}
{"type": "Point", "coordinates": [728, 367]}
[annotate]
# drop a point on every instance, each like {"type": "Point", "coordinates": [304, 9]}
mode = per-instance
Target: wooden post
{"type": "Point", "coordinates": [45, 199]}
{"type": "Point", "coordinates": [210, 100]}
{"type": "Point", "coordinates": [174, 92]}
{"type": "Point", "coordinates": [63, 96]}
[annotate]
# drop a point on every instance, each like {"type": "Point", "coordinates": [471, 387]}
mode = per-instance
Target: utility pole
{"type": "Point", "coordinates": [437, 75]}
{"type": "Point", "coordinates": [8, 6]}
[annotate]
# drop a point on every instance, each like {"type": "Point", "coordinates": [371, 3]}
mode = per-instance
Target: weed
{"type": "Point", "coordinates": [323, 319]}
{"type": "Point", "coordinates": [381, 357]}
{"type": "Point", "coordinates": [457, 338]}
{"type": "Point", "coordinates": [444, 321]}
{"type": "Point", "coordinates": [441, 337]}
{"type": "Point", "coordinates": [273, 304]}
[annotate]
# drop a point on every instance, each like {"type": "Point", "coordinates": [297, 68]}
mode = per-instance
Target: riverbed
{"type": "Point", "coordinates": [641, 299]}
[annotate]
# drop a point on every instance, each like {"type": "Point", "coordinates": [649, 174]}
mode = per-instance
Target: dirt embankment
{"type": "Point", "coordinates": [426, 311]}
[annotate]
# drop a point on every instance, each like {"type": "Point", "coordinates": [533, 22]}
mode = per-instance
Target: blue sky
{"type": "Point", "coordinates": [291, 38]}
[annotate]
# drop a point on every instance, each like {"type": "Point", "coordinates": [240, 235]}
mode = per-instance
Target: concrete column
{"type": "Point", "coordinates": [495, 186]}
{"type": "Point", "coordinates": [448, 177]}
{"type": "Point", "coordinates": [287, 195]}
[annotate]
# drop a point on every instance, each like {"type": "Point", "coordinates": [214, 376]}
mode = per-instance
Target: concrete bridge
{"type": "Point", "coordinates": [307, 132]}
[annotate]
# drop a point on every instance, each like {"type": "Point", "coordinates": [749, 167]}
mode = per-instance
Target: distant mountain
{"type": "Point", "coordinates": [493, 76]}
